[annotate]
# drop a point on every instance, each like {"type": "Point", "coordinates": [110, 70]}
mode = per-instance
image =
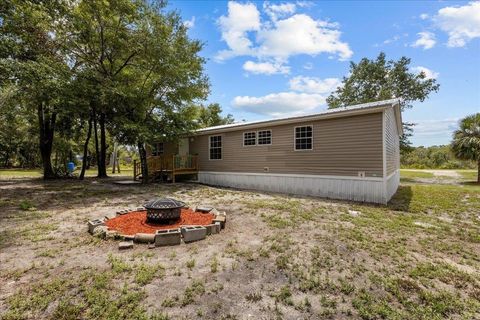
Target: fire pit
{"type": "Point", "coordinates": [163, 210]}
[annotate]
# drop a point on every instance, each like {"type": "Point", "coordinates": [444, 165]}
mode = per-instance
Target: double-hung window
{"type": "Point", "coordinates": [215, 146]}
{"type": "Point", "coordinates": [265, 137]}
{"type": "Point", "coordinates": [304, 138]}
{"type": "Point", "coordinates": [249, 138]}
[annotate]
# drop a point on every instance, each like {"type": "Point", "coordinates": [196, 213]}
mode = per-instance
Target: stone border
{"type": "Point", "coordinates": [166, 237]}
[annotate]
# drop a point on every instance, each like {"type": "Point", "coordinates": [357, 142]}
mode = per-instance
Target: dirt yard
{"type": "Point", "coordinates": [279, 257]}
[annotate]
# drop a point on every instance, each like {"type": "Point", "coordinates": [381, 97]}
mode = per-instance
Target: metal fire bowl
{"type": "Point", "coordinates": [163, 210]}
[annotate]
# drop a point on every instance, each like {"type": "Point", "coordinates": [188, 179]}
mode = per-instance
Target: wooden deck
{"type": "Point", "coordinates": [167, 166]}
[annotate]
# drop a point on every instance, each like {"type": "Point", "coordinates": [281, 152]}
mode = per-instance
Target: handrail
{"type": "Point", "coordinates": [185, 162]}
{"type": "Point", "coordinates": [168, 163]}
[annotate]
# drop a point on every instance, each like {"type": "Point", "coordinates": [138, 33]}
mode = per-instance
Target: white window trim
{"type": "Point", "coordinates": [249, 145]}
{"type": "Point", "coordinates": [209, 147]}
{"type": "Point", "coordinates": [295, 138]}
{"type": "Point", "coordinates": [271, 138]}
{"type": "Point", "coordinates": [256, 138]}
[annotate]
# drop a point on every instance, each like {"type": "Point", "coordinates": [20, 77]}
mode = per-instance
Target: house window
{"type": "Point", "coordinates": [157, 149]}
{"type": "Point", "coordinates": [215, 147]}
{"type": "Point", "coordinates": [304, 138]}
{"type": "Point", "coordinates": [265, 137]}
{"type": "Point", "coordinates": [249, 138]}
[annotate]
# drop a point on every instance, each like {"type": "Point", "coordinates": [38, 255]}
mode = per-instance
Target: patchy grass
{"type": "Point", "coordinates": [196, 288]}
{"type": "Point", "coordinates": [279, 257]}
{"type": "Point", "coordinates": [436, 199]}
{"type": "Point", "coordinates": [26, 205]}
{"type": "Point", "coordinates": [144, 273]}
{"type": "Point", "coordinates": [254, 297]}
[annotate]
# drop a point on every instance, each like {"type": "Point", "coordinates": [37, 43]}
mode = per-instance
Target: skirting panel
{"type": "Point", "coordinates": [345, 188]}
{"type": "Point", "coordinates": [392, 184]}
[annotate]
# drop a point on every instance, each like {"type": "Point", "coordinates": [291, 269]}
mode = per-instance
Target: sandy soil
{"type": "Point", "coordinates": [279, 256]}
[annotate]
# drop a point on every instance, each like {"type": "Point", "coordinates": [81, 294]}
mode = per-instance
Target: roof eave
{"type": "Point", "coordinates": [338, 114]}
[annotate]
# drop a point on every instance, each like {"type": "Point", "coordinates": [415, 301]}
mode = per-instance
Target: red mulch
{"type": "Point", "coordinates": [136, 222]}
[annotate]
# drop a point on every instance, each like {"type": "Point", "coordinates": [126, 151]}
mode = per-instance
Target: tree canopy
{"type": "Point", "coordinates": [466, 140]}
{"type": "Point", "coordinates": [210, 116]}
{"type": "Point", "coordinates": [99, 71]}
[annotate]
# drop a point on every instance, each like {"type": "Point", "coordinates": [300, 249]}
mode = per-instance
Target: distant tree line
{"type": "Point", "coordinates": [434, 157]}
{"type": "Point", "coordinates": [77, 75]}
{"type": "Point", "coordinates": [462, 153]}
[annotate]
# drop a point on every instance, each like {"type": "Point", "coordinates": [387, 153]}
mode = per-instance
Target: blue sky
{"type": "Point", "coordinates": [275, 59]}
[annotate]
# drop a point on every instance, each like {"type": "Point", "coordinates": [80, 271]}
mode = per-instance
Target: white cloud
{"type": "Point", "coordinates": [395, 38]}
{"type": "Point", "coordinates": [434, 127]}
{"type": "Point", "coordinates": [276, 11]}
{"type": "Point", "coordinates": [305, 4]}
{"type": "Point", "coordinates": [301, 34]}
{"type": "Point", "coordinates": [429, 74]}
{"type": "Point", "coordinates": [280, 104]}
{"type": "Point", "coordinates": [241, 19]}
{"type": "Point", "coordinates": [314, 85]}
{"type": "Point", "coordinates": [462, 24]}
{"type": "Point", "coordinates": [433, 132]}
{"type": "Point", "coordinates": [189, 23]}
{"type": "Point", "coordinates": [284, 35]}
{"type": "Point", "coordinates": [306, 96]}
{"type": "Point", "coordinates": [392, 40]}
{"type": "Point", "coordinates": [425, 39]}
{"type": "Point", "coordinates": [268, 68]}
{"type": "Point", "coordinates": [424, 16]}
{"type": "Point", "coordinates": [308, 66]}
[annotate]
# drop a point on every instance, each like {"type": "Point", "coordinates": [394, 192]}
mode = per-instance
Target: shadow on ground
{"type": "Point", "coordinates": [401, 199]}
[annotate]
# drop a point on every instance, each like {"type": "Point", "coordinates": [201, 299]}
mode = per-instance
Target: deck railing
{"type": "Point", "coordinates": [169, 164]}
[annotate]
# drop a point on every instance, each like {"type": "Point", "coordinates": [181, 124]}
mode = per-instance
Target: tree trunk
{"type": "Point", "coordinates": [6, 163]}
{"type": "Point", "coordinates": [143, 162]}
{"type": "Point", "coordinates": [47, 129]}
{"type": "Point", "coordinates": [85, 148]}
{"type": "Point", "coordinates": [478, 171]}
{"type": "Point", "coordinates": [97, 150]}
{"type": "Point", "coordinates": [102, 166]}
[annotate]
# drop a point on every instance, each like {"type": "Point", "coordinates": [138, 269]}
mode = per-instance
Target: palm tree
{"type": "Point", "coordinates": [466, 140]}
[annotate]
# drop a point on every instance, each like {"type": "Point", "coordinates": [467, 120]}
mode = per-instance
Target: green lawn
{"type": "Point", "coordinates": [469, 175]}
{"type": "Point", "coordinates": [20, 173]}
{"type": "Point", "coordinates": [37, 173]}
{"type": "Point", "coordinates": [410, 174]}
{"type": "Point", "coordinates": [413, 175]}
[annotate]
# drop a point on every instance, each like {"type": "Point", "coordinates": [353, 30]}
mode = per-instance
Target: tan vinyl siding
{"type": "Point", "coordinates": [341, 146]}
{"type": "Point", "coordinates": [392, 142]}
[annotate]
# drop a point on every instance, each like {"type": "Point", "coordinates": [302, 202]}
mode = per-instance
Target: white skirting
{"type": "Point", "coordinates": [392, 182]}
{"type": "Point", "coordinates": [334, 187]}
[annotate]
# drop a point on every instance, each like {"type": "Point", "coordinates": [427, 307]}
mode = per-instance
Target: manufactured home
{"type": "Point", "coordinates": [349, 153]}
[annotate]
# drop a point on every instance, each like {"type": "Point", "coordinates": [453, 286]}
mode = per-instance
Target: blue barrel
{"type": "Point", "coordinates": [70, 167]}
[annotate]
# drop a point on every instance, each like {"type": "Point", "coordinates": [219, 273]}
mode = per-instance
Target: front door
{"type": "Point", "coordinates": [183, 148]}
